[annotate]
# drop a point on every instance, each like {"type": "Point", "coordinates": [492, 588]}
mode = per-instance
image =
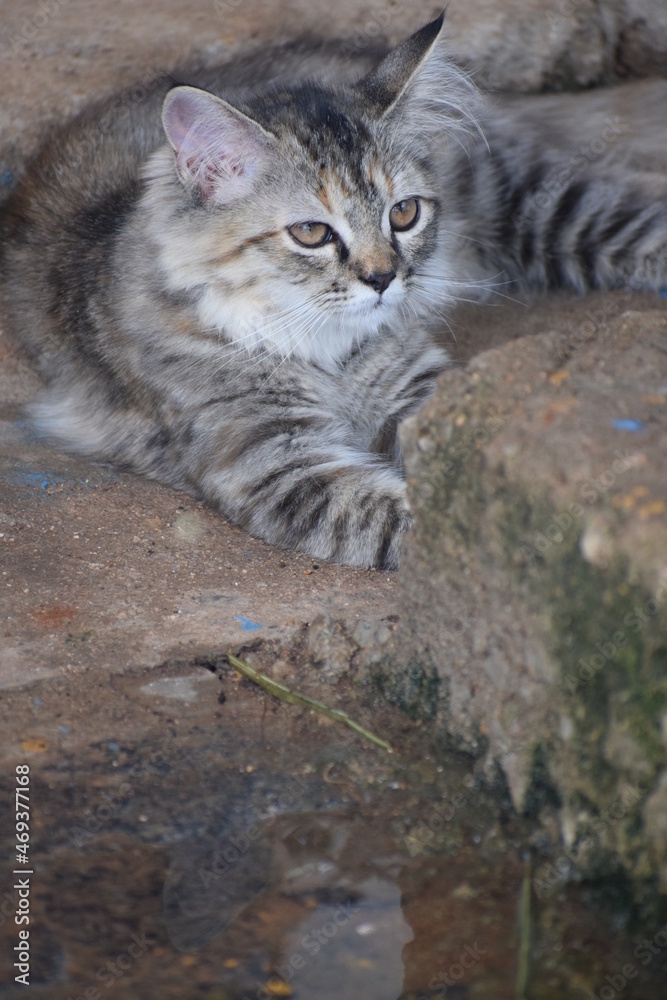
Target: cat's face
{"type": "Point", "coordinates": [323, 253]}
{"type": "Point", "coordinates": [356, 229]}
{"type": "Point", "coordinates": [317, 216]}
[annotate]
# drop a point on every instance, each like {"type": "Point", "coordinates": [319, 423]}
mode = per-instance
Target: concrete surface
{"type": "Point", "coordinates": [535, 584]}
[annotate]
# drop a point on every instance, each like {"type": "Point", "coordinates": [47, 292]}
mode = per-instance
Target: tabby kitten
{"type": "Point", "coordinates": [234, 297]}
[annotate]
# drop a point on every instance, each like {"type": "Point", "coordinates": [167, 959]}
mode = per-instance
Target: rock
{"type": "Point", "coordinates": [329, 647]}
{"type": "Point", "coordinates": [534, 585]}
{"type": "Point", "coordinates": [655, 820]}
{"type": "Point", "coordinates": [528, 47]}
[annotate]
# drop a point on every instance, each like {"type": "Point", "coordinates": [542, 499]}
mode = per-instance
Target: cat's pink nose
{"type": "Point", "coordinates": [379, 282]}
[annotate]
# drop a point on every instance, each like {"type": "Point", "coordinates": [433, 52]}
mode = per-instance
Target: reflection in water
{"type": "Point", "coordinates": [328, 925]}
{"type": "Point", "coordinates": [232, 863]}
{"type": "Point", "coordinates": [207, 888]}
{"type": "Point", "coordinates": [321, 905]}
{"type": "Point", "coordinates": [352, 948]}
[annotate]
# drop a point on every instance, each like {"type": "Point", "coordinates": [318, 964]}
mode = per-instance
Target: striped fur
{"type": "Point", "coordinates": [571, 194]}
{"type": "Point", "coordinates": [186, 334]}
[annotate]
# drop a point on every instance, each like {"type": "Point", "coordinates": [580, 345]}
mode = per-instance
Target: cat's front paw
{"type": "Point", "coordinates": [372, 534]}
{"type": "Point", "coordinates": [354, 513]}
{"type": "Point", "coordinates": [359, 527]}
{"type": "Point", "coordinates": [389, 551]}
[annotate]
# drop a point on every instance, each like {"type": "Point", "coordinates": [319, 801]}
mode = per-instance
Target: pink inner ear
{"type": "Point", "coordinates": [218, 151]}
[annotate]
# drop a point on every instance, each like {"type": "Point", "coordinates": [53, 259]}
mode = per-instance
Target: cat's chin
{"type": "Point", "coordinates": [375, 309]}
{"type": "Point", "coordinates": [327, 340]}
{"type": "Point", "coordinates": [332, 342]}
{"type": "Point", "coordinates": [333, 339]}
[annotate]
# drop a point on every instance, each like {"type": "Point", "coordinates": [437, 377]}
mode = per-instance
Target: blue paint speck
{"type": "Point", "coordinates": [663, 293]}
{"type": "Point", "coordinates": [629, 425]}
{"type": "Point", "coordinates": [113, 747]}
{"type": "Point", "coordinates": [7, 178]}
{"type": "Point", "coordinates": [41, 480]}
{"type": "Point", "coordinates": [37, 701]}
{"type": "Point", "coordinates": [63, 729]}
{"type": "Point", "coordinates": [44, 479]}
{"type": "Point", "coordinates": [246, 624]}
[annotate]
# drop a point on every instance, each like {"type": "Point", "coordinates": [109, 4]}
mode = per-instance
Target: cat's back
{"type": "Point", "coordinates": [99, 153]}
{"type": "Point", "coordinates": [71, 201]}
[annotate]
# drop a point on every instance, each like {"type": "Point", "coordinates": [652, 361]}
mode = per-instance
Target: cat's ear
{"type": "Point", "coordinates": [389, 80]}
{"type": "Point", "coordinates": [219, 151]}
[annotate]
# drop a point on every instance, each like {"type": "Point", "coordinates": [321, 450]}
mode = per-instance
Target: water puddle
{"type": "Point", "coordinates": [190, 843]}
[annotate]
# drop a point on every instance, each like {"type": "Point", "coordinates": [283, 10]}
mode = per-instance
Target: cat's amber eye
{"type": "Point", "coordinates": [311, 234]}
{"type": "Point", "coordinates": [404, 215]}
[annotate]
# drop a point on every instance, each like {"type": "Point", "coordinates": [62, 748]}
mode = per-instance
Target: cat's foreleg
{"type": "Point", "coordinates": [341, 506]}
{"type": "Point", "coordinates": [399, 390]}
{"type": "Point", "coordinates": [316, 466]}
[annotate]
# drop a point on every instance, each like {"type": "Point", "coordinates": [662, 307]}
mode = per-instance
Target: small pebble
{"type": "Point", "coordinates": [278, 988]}
{"type": "Point", "coordinates": [365, 929]}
